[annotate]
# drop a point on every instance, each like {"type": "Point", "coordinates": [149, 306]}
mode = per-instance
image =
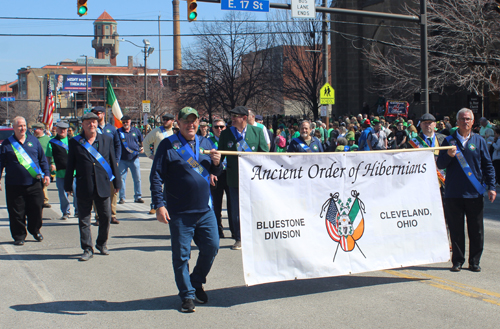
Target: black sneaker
{"type": "Point", "coordinates": [187, 306]}
{"type": "Point", "coordinates": [87, 254]}
{"type": "Point", "coordinates": [201, 295]}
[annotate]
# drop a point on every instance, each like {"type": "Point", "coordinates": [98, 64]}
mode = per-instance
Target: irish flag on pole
{"type": "Point", "coordinates": [115, 107]}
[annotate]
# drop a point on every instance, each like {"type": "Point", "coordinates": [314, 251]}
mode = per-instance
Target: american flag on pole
{"type": "Point", "coordinates": [49, 107]}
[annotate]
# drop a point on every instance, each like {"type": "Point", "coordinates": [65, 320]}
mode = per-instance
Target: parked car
{"type": "Point", "coordinates": [5, 132]}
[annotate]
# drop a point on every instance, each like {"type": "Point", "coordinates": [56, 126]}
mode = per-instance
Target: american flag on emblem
{"type": "Point", "coordinates": [49, 107]}
{"type": "Point", "coordinates": [160, 79]}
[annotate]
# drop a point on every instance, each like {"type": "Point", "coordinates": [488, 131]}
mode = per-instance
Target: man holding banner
{"type": "Point", "coordinates": [183, 169]}
{"type": "Point", "coordinates": [26, 166]}
{"type": "Point", "coordinates": [306, 142]}
{"type": "Point", "coordinates": [240, 137]}
{"type": "Point", "coordinates": [91, 158]}
{"type": "Point", "coordinates": [469, 174]}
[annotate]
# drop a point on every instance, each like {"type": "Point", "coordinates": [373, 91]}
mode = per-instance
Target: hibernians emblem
{"type": "Point", "coordinates": [230, 144]}
{"type": "Point", "coordinates": [30, 144]}
{"type": "Point", "coordinates": [176, 145]}
{"type": "Point", "coordinates": [133, 134]}
{"type": "Point", "coordinates": [472, 147]}
{"type": "Point", "coordinates": [315, 147]}
{"type": "Point", "coordinates": [345, 223]}
{"type": "Point", "coordinates": [108, 131]}
{"type": "Point", "coordinates": [201, 150]}
{"type": "Point", "coordinates": [253, 148]}
{"type": "Point", "coordinates": [82, 141]}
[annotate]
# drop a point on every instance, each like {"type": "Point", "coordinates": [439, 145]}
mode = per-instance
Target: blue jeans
{"type": "Point", "coordinates": [63, 196]}
{"type": "Point", "coordinates": [135, 169]}
{"type": "Point", "coordinates": [202, 228]}
{"type": "Point", "coordinates": [235, 211]}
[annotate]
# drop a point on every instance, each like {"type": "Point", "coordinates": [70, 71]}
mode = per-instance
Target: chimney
{"type": "Point", "coordinates": [130, 60]}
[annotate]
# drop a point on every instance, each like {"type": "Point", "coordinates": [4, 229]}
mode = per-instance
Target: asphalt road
{"type": "Point", "coordinates": [43, 285]}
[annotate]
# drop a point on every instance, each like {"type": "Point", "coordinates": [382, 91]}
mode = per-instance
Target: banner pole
{"type": "Point", "coordinates": [440, 148]}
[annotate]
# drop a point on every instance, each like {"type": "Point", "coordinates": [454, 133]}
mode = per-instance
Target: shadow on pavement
{"type": "Point", "coordinates": [38, 256]}
{"type": "Point", "coordinates": [224, 297]}
{"type": "Point", "coordinates": [152, 237]}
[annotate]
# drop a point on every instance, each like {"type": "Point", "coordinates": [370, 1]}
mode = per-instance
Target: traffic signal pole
{"type": "Point", "coordinates": [422, 20]}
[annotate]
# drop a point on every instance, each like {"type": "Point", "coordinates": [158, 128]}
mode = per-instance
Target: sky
{"type": "Point", "coordinates": [36, 51]}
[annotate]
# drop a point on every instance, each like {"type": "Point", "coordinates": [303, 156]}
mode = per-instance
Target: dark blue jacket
{"type": "Point", "coordinates": [476, 153]}
{"type": "Point", "coordinates": [15, 173]}
{"type": "Point", "coordinates": [184, 191]}
{"type": "Point", "coordinates": [111, 131]}
{"type": "Point", "coordinates": [134, 142]}
{"type": "Point", "coordinates": [315, 145]}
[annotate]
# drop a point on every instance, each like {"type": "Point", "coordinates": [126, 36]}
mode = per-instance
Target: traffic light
{"type": "Point", "coordinates": [192, 5]}
{"type": "Point", "coordinates": [82, 7]}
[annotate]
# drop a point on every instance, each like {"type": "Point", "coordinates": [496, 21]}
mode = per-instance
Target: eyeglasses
{"type": "Point", "coordinates": [236, 116]}
{"type": "Point", "coordinates": [219, 127]}
{"type": "Point", "coordinates": [465, 119]}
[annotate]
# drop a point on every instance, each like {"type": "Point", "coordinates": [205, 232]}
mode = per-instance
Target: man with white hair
{"type": "Point", "coordinates": [26, 172]}
{"type": "Point", "coordinates": [251, 120]}
{"type": "Point", "coordinates": [306, 142]}
{"type": "Point", "coordinates": [469, 174]}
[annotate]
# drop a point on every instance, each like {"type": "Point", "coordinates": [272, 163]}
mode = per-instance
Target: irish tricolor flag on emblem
{"type": "Point", "coordinates": [346, 225]}
{"type": "Point", "coordinates": [115, 107]}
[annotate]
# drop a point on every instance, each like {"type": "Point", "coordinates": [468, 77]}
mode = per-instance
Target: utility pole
{"type": "Point", "coordinates": [424, 64]}
{"type": "Point", "coordinates": [325, 60]}
{"type": "Point", "coordinates": [177, 36]}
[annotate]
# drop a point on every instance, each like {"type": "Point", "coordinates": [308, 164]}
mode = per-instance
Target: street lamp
{"type": "Point", "coordinates": [147, 51]}
{"type": "Point", "coordinates": [86, 81]}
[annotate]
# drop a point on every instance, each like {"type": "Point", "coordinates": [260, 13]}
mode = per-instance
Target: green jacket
{"type": "Point", "coordinates": [227, 142]}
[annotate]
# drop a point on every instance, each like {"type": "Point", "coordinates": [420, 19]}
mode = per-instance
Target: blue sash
{"type": "Point", "coordinates": [124, 142]}
{"type": "Point", "coordinates": [96, 155]}
{"type": "Point", "coordinates": [481, 188]}
{"type": "Point", "coordinates": [59, 143]}
{"type": "Point", "coordinates": [186, 153]}
{"type": "Point", "coordinates": [25, 160]}
{"type": "Point", "coordinates": [303, 145]}
{"type": "Point", "coordinates": [241, 145]}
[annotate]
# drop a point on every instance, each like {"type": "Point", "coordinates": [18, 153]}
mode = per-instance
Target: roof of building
{"type": "Point", "coordinates": [6, 88]}
{"type": "Point", "coordinates": [112, 70]}
{"type": "Point", "coordinates": [105, 17]}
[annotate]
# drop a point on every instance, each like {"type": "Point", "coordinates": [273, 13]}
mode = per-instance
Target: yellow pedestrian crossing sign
{"type": "Point", "coordinates": [327, 94]}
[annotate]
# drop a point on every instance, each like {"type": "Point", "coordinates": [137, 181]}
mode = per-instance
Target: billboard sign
{"type": "Point", "coordinates": [72, 83]}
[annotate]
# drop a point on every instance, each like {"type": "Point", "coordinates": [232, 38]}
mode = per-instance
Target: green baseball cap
{"type": "Point", "coordinates": [186, 111]}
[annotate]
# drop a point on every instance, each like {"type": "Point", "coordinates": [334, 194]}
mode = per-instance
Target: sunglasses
{"type": "Point", "coordinates": [167, 119]}
{"type": "Point", "coordinates": [219, 127]}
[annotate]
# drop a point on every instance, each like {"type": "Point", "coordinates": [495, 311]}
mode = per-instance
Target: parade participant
{"type": "Point", "coordinates": [110, 130]}
{"type": "Point", "coordinates": [203, 132]}
{"type": "Point", "coordinates": [57, 153]}
{"type": "Point", "coordinates": [91, 159]}
{"type": "Point", "coordinates": [183, 169]}
{"type": "Point", "coordinates": [154, 137]}
{"type": "Point", "coordinates": [251, 120]}
{"type": "Point", "coordinates": [306, 142]}
{"type": "Point", "coordinates": [38, 132]}
{"type": "Point", "coordinates": [26, 170]}
{"type": "Point", "coordinates": [447, 123]}
{"type": "Point", "coordinates": [428, 137]}
{"type": "Point", "coordinates": [486, 128]}
{"type": "Point", "coordinates": [468, 169]}
{"type": "Point", "coordinates": [131, 140]}
{"type": "Point", "coordinates": [219, 184]}
{"type": "Point", "coordinates": [240, 137]}
{"type": "Point", "coordinates": [400, 135]}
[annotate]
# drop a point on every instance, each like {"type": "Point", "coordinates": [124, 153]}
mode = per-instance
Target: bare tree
{"type": "Point", "coordinates": [230, 57]}
{"type": "Point", "coordinates": [301, 46]}
{"type": "Point", "coordinates": [162, 98]}
{"type": "Point", "coordinates": [464, 50]}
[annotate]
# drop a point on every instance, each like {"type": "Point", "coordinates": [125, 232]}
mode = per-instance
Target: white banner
{"type": "Point", "coordinates": [310, 216]}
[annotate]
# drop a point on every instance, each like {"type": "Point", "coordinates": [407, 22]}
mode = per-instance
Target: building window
{"type": "Point", "coordinates": [107, 27]}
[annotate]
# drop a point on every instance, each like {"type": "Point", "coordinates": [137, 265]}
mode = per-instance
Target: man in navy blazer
{"type": "Point", "coordinates": [91, 156]}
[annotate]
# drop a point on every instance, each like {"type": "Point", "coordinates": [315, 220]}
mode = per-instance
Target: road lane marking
{"type": "Point", "coordinates": [34, 280]}
{"type": "Point", "coordinates": [449, 285]}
